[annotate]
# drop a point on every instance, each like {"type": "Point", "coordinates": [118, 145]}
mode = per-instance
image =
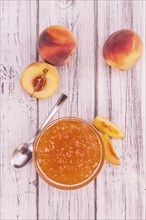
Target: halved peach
{"type": "Point", "coordinates": [107, 127]}
{"type": "Point", "coordinates": [110, 154]}
{"type": "Point", "coordinates": [40, 80]}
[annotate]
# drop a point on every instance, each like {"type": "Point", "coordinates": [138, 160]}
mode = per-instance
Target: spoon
{"type": "Point", "coordinates": [23, 153]}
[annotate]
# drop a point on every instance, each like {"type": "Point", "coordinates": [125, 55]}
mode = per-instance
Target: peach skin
{"type": "Point", "coordinates": [122, 49]}
{"type": "Point", "coordinates": [56, 44]}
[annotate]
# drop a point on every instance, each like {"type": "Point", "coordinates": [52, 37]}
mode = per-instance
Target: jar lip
{"type": "Point", "coordinates": [61, 185]}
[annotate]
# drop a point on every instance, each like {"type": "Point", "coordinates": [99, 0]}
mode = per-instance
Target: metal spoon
{"type": "Point", "coordinates": [23, 153]}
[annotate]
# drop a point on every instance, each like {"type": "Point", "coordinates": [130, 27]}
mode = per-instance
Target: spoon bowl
{"type": "Point", "coordinates": [21, 155]}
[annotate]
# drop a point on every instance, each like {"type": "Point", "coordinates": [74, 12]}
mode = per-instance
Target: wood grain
{"type": "Point", "coordinates": [122, 189]}
{"type": "Point", "coordinates": [93, 89]}
{"type": "Point", "coordinates": [74, 81]}
{"type": "Point", "coordinates": [18, 110]}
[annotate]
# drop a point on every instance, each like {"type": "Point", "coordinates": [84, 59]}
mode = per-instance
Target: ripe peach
{"type": "Point", "coordinates": [40, 80]}
{"type": "Point", "coordinates": [56, 44]}
{"type": "Point", "coordinates": [122, 49]}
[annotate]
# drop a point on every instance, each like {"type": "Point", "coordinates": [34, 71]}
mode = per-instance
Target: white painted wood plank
{"type": "Point", "coordinates": [120, 96]}
{"type": "Point", "coordinates": [18, 109]}
{"type": "Point", "coordinates": [120, 191]}
{"type": "Point", "coordinates": [77, 81]}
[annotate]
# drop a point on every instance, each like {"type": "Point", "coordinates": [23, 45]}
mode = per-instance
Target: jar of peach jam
{"type": "Point", "coordinates": [68, 153]}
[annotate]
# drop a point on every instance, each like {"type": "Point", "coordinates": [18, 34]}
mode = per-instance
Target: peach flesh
{"type": "Point", "coordinates": [40, 80]}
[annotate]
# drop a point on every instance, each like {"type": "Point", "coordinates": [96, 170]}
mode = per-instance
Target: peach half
{"type": "Point", "coordinates": [107, 127]}
{"type": "Point", "coordinates": [40, 80]}
{"type": "Point", "coordinates": [122, 49]}
{"type": "Point", "coordinates": [56, 44]}
{"type": "Point", "coordinates": [110, 154]}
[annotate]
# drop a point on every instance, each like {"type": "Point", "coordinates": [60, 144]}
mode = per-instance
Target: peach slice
{"type": "Point", "coordinates": [40, 80]}
{"type": "Point", "coordinates": [123, 49]}
{"type": "Point", "coordinates": [110, 154]}
{"type": "Point", "coordinates": [56, 44]}
{"type": "Point", "coordinates": [107, 127]}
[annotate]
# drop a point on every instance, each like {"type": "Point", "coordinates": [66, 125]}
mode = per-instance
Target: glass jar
{"type": "Point", "coordinates": [68, 153]}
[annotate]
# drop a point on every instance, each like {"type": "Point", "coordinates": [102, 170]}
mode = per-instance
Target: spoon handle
{"type": "Point", "coordinates": [60, 101]}
{"type": "Point", "coordinates": [58, 104]}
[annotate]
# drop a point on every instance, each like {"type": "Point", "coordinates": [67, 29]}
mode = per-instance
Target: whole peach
{"type": "Point", "coordinates": [56, 45]}
{"type": "Point", "coordinates": [122, 49]}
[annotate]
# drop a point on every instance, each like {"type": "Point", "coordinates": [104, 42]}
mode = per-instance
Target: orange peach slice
{"type": "Point", "coordinates": [107, 127]}
{"type": "Point", "coordinates": [110, 154]}
{"type": "Point", "coordinates": [40, 80]}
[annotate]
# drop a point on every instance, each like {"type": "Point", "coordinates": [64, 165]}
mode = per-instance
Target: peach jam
{"type": "Point", "coordinates": [68, 152]}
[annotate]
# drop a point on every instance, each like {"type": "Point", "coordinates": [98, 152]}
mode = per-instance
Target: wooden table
{"type": "Point", "coordinates": [93, 89]}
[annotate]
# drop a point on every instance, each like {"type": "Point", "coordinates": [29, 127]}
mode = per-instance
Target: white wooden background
{"type": "Point", "coordinates": [93, 89]}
